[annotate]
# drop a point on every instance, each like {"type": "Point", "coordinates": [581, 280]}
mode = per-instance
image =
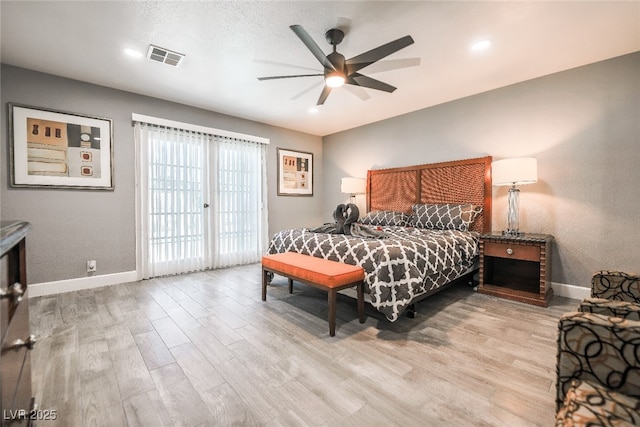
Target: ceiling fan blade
{"type": "Point", "coordinates": [364, 81]}
{"type": "Point", "coordinates": [392, 64]}
{"type": "Point", "coordinates": [323, 96]}
{"type": "Point", "coordinates": [289, 77]}
{"type": "Point", "coordinates": [312, 46]}
{"type": "Point", "coordinates": [358, 62]}
{"type": "Point", "coordinates": [357, 91]}
{"type": "Point", "coordinates": [284, 64]}
{"type": "Point", "coordinates": [307, 90]}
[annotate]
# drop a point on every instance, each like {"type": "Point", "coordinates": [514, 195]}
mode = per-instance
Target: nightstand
{"type": "Point", "coordinates": [516, 267]}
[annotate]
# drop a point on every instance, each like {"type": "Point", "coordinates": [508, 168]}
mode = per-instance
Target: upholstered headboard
{"type": "Point", "coordinates": [459, 181]}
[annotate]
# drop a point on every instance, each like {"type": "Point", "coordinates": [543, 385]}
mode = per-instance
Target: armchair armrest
{"type": "Point", "coordinates": [599, 349]}
{"type": "Point", "coordinates": [623, 309]}
{"type": "Point", "coordinates": [616, 285]}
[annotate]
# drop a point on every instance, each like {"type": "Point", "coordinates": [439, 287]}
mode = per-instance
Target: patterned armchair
{"type": "Point", "coordinates": [598, 370]}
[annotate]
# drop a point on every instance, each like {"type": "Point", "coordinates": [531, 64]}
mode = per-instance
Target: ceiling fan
{"type": "Point", "coordinates": [337, 70]}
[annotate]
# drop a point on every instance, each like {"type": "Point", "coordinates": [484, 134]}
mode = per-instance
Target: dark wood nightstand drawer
{"type": "Point", "coordinates": [509, 250]}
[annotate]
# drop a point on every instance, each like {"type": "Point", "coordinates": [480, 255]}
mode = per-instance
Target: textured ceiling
{"type": "Point", "coordinates": [229, 44]}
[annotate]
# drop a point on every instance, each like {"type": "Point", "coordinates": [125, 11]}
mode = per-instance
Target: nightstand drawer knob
{"type": "Point", "coordinates": [509, 251]}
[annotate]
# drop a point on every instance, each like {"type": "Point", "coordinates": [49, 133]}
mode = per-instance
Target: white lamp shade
{"type": "Point", "coordinates": [352, 185]}
{"type": "Point", "coordinates": [520, 170]}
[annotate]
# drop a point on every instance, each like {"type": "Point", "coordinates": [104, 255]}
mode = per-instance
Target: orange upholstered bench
{"type": "Point", "coordinates": [330, 276]}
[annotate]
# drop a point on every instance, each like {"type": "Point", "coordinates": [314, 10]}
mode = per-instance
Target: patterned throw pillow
{"type": "Point", "coordinates": [445, 217]}
{"type": "Point", "coordinates": [384, 218]}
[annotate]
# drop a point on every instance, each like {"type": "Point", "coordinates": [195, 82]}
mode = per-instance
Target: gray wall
{"type": "Point", "coordinates": [583, 125]}
{"type": "Point", "coordinates": [72, 226]}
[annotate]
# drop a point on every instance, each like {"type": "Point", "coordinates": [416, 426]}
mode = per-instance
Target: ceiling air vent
{"type": "Point", "coordinates": [165, 56]}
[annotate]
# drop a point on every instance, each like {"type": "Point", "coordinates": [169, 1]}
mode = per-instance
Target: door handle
{"type": "Point", "coordinates": [206, 205]}
{"type": "Point", "coordinates": [15, 292]}
{"type": "Point", "coordinates": [29, 343]}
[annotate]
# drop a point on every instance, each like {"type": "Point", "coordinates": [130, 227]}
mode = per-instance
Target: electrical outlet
{"type": "Point", "coordinates": [91, 266]}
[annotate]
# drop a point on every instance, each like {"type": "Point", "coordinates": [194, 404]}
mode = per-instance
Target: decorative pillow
{"type": "Point", "coordinates": [386, 218]}
{"type": "Point", "coordinates": [445, 217]}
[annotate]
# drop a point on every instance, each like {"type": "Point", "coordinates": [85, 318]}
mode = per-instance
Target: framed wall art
{"type": "Point", "coordinates": [56, 149]}
{"type": "Point", "coordinates": [295, 173]}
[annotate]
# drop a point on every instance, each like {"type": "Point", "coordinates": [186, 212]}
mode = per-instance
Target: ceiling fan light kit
{"type": "Point", "coordinates": [334, 79]}
{"type": "Point", "coordinates": [337, 70]}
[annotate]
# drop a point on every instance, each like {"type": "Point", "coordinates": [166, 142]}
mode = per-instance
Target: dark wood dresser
{"type": "Point", "coordinates": [15, 361]}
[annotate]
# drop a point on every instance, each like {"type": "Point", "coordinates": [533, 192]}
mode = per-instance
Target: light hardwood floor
{"type": "Point", "coordinates": [203, 349]}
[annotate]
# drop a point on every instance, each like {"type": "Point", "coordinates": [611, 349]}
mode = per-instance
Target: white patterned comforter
{"type": "Point", "coordinates": [410, 263]}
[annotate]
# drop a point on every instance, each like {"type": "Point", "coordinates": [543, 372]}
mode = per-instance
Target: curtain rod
{"type": "Point", "coordinates": [196, 128]}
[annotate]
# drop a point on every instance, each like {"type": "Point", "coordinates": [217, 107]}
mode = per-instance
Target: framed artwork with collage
{"type": "Point", "coordinates": [295, 173]}
{"type": "Point", "coordinates": [56, 149]}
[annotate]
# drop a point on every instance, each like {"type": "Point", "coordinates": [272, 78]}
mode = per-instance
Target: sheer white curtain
{"type": "Point", "coordinates": [239, 231]}
{"type": "Point", "coordinates": [172, 186]}
{"type": "Point", "coordinates": [202, 200]}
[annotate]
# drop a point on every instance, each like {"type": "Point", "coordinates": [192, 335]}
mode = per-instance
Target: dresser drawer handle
{"type": "Point", "coordinates": [509, 251]}
{"type": "Point", "coordinates": [29, 343]}
{"type": "Point", "coordinates": [15, 292]}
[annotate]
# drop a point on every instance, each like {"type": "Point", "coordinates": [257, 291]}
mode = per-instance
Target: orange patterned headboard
{"type": "Point", "coordinates": [459, 181]}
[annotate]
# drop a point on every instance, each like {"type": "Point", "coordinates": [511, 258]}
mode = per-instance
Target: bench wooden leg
{"type": "Point", "coordinates": [361, 302]}
{"type": "Point", "coordinates": [265, 280]}
{"type": "Point", "coordinates": [333, 295]}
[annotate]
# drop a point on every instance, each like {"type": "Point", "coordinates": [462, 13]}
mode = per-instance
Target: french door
{"type": "Point", "coordinates": [201, 200]}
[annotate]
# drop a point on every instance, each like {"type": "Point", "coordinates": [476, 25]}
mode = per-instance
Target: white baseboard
{"type": "Point", "coordinates": [570, 291]}
{"type": "Point", "coordinates": [61, 286]}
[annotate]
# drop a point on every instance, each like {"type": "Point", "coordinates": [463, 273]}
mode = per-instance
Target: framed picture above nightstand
{"type": "Point", "coordinates": [516, 267]}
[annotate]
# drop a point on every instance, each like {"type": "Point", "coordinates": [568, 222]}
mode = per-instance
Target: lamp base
{"type": "Point", "coordinates": [512, 213]}
{"type": "Point", "coordinates": [512, 233]}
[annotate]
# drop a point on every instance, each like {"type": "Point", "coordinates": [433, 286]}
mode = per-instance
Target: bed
{"type": "Point", "coordinates": [430, 217]}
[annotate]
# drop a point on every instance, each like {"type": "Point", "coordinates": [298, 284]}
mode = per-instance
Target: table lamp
{"type": "Point", "coordinates": [512, 172]}
{"type": "Point", "coordinates": [352, 186]}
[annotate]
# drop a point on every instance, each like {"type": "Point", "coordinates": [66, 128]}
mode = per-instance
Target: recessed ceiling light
{"type": "Point", "coordinates": [133, 53]}
{"type": "Point", "coordinates": [481, 45]}
{"type": "Point", "coordinates": [313, 110]}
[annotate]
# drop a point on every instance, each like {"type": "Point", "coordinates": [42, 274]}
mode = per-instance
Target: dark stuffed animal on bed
{"type": "Point", "coordinates": [351, 215]}
{"type": "Point", "coordinates": [346, 217]}
{"type": "Point", "coordinates": [340, 216]}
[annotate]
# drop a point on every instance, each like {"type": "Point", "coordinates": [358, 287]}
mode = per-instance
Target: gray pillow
{"type": "Point", "coordinates": [384, 218]}
{"type": "Point", "coordinates": [445, 216]}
